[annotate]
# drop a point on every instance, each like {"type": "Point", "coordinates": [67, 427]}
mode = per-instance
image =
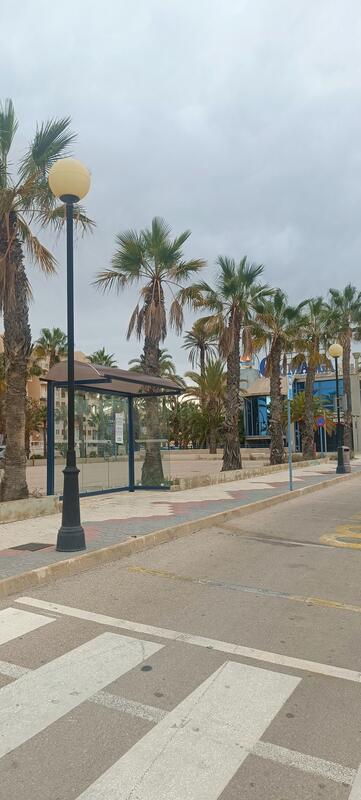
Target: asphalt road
{"type": "Point", "coordinates": [222, 666]}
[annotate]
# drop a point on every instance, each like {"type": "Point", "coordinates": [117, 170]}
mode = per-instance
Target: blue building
{"type": "Point", "coordinates": [257, 404]}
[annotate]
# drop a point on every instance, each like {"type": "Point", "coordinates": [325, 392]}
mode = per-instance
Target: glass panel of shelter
{"type": "Point", "coordinates": [101, 436]}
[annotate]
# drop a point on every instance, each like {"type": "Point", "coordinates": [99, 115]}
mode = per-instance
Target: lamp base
{"type": "Point", "coordinates": [70, 539]}
{"type": "Point", "coordinates": [71, 536]}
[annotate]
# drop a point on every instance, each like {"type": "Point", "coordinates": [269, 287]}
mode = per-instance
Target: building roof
{"type": "Point", "coordinates": [121, 381]}
{"type": "Point", "coordinates": [261, 387]}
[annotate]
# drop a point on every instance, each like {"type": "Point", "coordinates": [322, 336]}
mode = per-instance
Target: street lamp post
{"type": "Point", "coordinates": [69, 180]}
{"type": "Point", "coordinates": [335, 352]}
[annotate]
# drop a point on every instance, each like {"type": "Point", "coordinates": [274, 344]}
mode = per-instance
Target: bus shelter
{"type": "Point", "coordinates": [121, 428]}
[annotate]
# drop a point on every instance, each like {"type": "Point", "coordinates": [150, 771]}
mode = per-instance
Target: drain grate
{"type": "Point", "coordinates": [31, 546]}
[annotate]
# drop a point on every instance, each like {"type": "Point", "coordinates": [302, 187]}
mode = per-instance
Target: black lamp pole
{"type": "Point", "coordinates": [71, 534]}
{"type": "Point", "coordinates": [340, 461]}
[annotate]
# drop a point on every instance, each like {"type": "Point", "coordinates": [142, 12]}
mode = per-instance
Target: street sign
{"type": "Point", "coordinates": [289, 388]}
{"type": "Point", "coordinates": [119, 428]}
{"type": "Point", "coordinates": [320, 421]}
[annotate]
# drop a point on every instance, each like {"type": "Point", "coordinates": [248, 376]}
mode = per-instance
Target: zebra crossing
{"type": "Point", "coordinates": [191, 752]}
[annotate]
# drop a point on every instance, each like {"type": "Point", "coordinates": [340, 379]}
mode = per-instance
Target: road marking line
{"type": "Point", "coordinates": [15, 622]}
{"type": "Point", "coordinates": [12, 670]}
{"type": "Point", "coordinates": [41, 697]}
{"type": "Point", "coordinates": [199, 641]}
{"type": "Point", "coordinates": [315, 766]}
{"type": "Point", "coordinates": [118, 703]}
{"type": "Point", "coordinates": [356, 788]}
{"type": "Point", "coordinates": [238, 587]}
{"type": "Point", "coordinates": [218, 723]}
{"type": "Point", "coordinates": [293, 542]}
{"type": "Point", "coordinates": [271, 752]}
{"type": "Point", "coordinates": [342, 535]}
{"type": "Point", "coordinates": [106, 699]}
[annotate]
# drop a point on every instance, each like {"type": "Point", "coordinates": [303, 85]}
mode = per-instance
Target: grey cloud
{"type": "Point", "coordinates": [239, 120]}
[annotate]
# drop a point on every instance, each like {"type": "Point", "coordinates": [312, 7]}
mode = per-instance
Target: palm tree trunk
{"type": "Point", "coordinates": [231, 451]}
{"type": "Point", "coordinates": [277, 453]}
{"type": "Point", "coordinates": [82, 445]}
{"type": "Point", "coordinates": [346, 359]}
{"type": "Point", "coordinates": [152, 469]}
{"type": "Point", "coordinates": [202, 359]}
{"type": "Point", "coordinates": [308, 434]}
{"type": "Point", "coordinates": [17, 343]}
{"type": "Point", "coordinates": [202, 365]}
{"type": "Point", "coordinates": [213, 440]}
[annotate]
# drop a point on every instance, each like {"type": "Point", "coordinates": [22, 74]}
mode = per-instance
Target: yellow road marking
{"type": "Point", "coordinates": [309, 601]}
{"type": "Point", "coordinates": [344, 532]}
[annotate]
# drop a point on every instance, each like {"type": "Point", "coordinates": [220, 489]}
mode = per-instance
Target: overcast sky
{"type": "Point", "coordinates": [239, 120]}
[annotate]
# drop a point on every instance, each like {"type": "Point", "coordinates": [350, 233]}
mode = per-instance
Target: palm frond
{"type": "Point", "coordinates": [176, 316]}
{"type": "Point", "coordinates": [56, 217]}
{"type": "Point", "coordinates": [133, 321]}
{"type": "Point", "coordinates": [38, 253]}
{"type": "Point", "coordinates": [191, 296]}
{"type": "Point", "coordinates": [52, 140]}
{"type": "Point", "coordinates": [8, 128]}
{"type": "Point", "coordinates": [247, 342]}
{"type": "Point", "coordinates": [184, 269]}
{"type": "Point", "coordinates": [111, 279]}
{"type": "Point", "coordinates": [155, 322]}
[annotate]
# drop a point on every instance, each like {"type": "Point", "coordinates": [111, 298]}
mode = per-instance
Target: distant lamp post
{"type": "Point", "coordinates": [69, 180]}
{"type": "Point", "coordinates": [335, 352]}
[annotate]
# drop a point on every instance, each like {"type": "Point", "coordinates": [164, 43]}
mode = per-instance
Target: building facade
{"type": "Point", "coordinates": [257, 404]}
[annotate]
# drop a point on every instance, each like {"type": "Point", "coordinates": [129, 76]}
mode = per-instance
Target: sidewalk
{"type": "Point", "coordinates": [111, 519]}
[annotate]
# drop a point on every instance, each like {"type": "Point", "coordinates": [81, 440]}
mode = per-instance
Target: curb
{"type": "Point", "coordinates": [215, 478]}
{"type": "Point", "coordinates": [105, 555]}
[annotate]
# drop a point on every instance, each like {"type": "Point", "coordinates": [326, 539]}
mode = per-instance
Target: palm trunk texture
{"type": "Point", "coordinates": [17, 343]}
{"type": "Point", "coordinates": [152, 469]}
{"type": "Point", "coordinates": [277, 453]}
{"type": "Point", "coordinates": [308, 435]}
{"type": "Point", "coordinates": [346, 358]}
{"type": "Point", "coordinates": [213, 441]}
{"type": "Point", "coordinates": [232, 451]}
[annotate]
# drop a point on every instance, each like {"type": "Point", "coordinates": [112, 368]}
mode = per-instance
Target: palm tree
{"type": "Point", "coordinates": [233, 300]}
{"type": "Point", "coordinates": [201, 344]}
{"type": "Point", "coordinates": [81, 413]}
{"type": "Point", "coordinates": [52, 345]}
{"type": "Point", "coordinates": [154, 259]}
{"type": "Point", "coordinates": [61, 415]}
{"type": "Point", "coordinates": [298, 406]}
{"type": "Point", "coordinates": [167, 368]}
{"type": "Point", "coordinates": [102, 358]}
{"type": "Point", "coordinates": [26, 205]}
{"type": "Point", "coordinates": [345, 322]}
{"type": "Point", "coordinates": [276, 327]}
{"type": "Point", "coordinates": [312, 341]}
{"type": "Point", "coordinates": [210, 388]}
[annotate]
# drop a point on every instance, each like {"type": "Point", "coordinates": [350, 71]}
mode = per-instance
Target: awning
{"type": "Point", "coordinates": [111, 379]}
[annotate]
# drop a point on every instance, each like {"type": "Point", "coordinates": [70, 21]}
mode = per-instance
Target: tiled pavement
{"type": "Point", "coordinates": [110, 519]}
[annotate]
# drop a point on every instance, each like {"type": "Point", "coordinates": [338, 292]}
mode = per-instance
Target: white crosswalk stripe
{"type": "Point", "coordinates": [15, 622]}
{"type": "Point", "coordinates": [271, 752]}
{"type": "Point", "coordinates": [198, 641]}
{"type": "Point", "coordinates": [356, 789]}
{"type": "Point", "coordinates": [218, 725]}
{"type": "Point", "coordinates": [46, 694]}
{"type": "Point", "coordinates": [195, 751]}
